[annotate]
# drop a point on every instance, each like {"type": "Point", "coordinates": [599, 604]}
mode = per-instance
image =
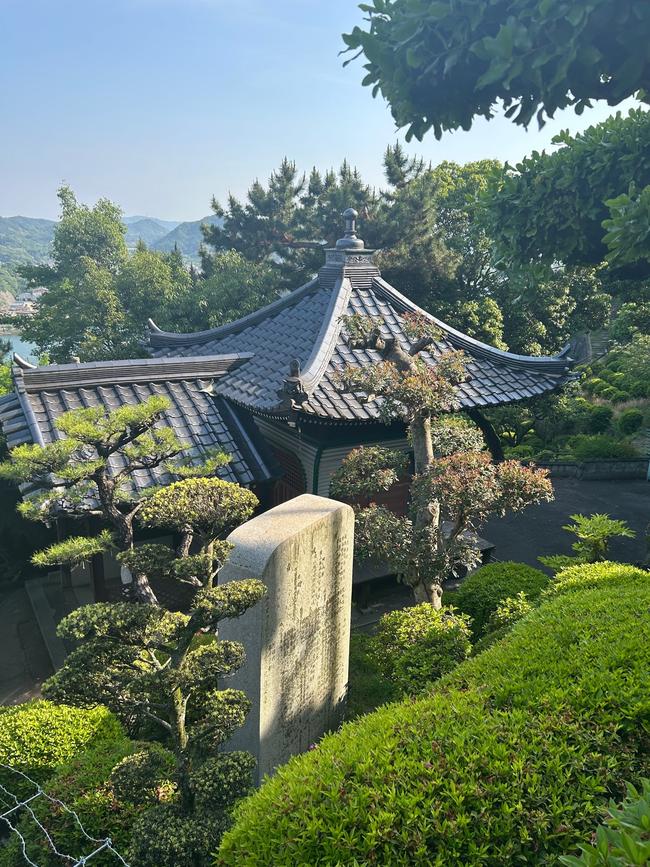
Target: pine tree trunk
{"type": "Point", "coordinates": [141, 590]}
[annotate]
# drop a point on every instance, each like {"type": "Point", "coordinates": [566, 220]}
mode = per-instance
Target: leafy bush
{"type": "Point", "coordinates": [510, 611]}
{"type": "Point", "coordinates": [601, 447]}
{"type": "Point", "coordinates": [367, 687]}
{"type": "Point", "coordinates": [416, 645]}
{"type": "Point", "coordinates": [82, 785]}
{"type": "Point", "coordinates": [508, 761]}
{"type": "Point", "coordinates": [481, 593]}
{"type": "Point", "coordinates": [624, 839]}
{"type": "Point", "coordinates": [38, 736]}
{"type": "Point", "coordinates": [590, 576]}
{"type": "Point", "coordinates": [593, 533]}
{"type": "Point", "coordinates": [630, 421]}
{"type": "Point", "coordinates": [600, 418]}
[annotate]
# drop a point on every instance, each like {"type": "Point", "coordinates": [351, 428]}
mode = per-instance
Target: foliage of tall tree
{"type": "Point", "coordinates": [551, 206]}
{"type": "Point", "coordinates": [163, 674]}
{"type": "Point", "coordinates": [90, 472]}
{"type": "Point", "coordinates": [442, 63]}
{"type": "Point", "coordinates": [454, 480]}
{"type": "Point", "coordinates": [99, 296]}
{"type": "Point", "coordinates": [286, 224]}
{"type": "Point", "coordinates": [433, 245]}
{"type": "Point", "coordinates": [231, 286]}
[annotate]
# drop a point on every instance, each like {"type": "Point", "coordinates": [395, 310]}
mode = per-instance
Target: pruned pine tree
{"type": "Point", "coordinates": [162, 674]}
{"type": "Point", "coordinates": [454, 480]}
{"type": "Point", "coordinates": [89, 472]}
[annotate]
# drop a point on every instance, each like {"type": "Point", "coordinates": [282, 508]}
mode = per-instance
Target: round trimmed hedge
{"type": "Point", "coordinates": [508, 761]}
{"type": "Point", "coordinates": [38, 736]}
{"type": "Point", "coordinates": [481, 593]}
{"type": "Point", "coordinates": [588, 575]}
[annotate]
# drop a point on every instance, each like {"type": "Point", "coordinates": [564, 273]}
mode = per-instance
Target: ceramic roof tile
{"type": "Point", "coordinates": [306, 326]}
{"type": "Point", "coordinates": [30, 414]}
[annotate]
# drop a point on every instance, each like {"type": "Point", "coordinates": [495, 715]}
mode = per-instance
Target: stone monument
{"type": "Point", "coordinates": [297, 638]}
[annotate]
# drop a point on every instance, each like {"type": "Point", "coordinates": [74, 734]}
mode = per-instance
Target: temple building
{"type": "Point", "coordinates": [263, 388]}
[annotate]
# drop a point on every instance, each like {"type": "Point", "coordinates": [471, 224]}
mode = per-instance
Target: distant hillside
{"type": "Point", "coordinates": [168, 224]}
{"type": "Point", "coordinates": [27, 240]}
{"type": "Point", "coordinates": [187, 237]}
{"type": "Point", "coordinates": [23, 241]}
{"type": "Point", "coordinates": [147, 229]}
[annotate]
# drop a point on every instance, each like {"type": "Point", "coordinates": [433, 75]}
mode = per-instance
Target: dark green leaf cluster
{"type": "Point", "coordinates": [552, 205]}
{"type": "Point", "coordinates": [140, 776]}
{"type": "Point", "coordinates": [508, 760]}
{"type": "Point", "coordinates": [482, 592]}
{"type": "Point", "coordinates": [442, 63]}
{"type": "Point", "coordinates": [366, 471]}
{"type": "Point", "coordinates": [624, 838]}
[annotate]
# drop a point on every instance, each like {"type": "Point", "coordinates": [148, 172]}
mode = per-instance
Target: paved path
{"type": "Point", "coordinates": [24, 661]}
{"type": "Point", "coordinates": [538, 529]}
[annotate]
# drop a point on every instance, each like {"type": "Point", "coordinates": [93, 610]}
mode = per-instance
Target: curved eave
{"type": "Point", "coordinates": [158, 337]}
{"type": "Point", "coordinates": [557, 364]}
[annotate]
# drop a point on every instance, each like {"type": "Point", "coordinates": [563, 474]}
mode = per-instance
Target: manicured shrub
{"type": "Point", "coordinates": [599, 419]}
{"type": "Point", "coordinates": [593, 575]}
{"type": "Point", "coordinates": [482, 592]}
{"type": "Point", "coordinates": [624, 838]}
{"type": "Point", "coordinates": [82, 785]}
{"type": "Point", "coordinates": [416, 645]}
{"type": "Point", "coordinates": [601, 447]}
{"type": "Point", "coordinates": [521, 452]}
{"type": "Point", "coordinates": [508, 761]}
{"type": "Point", "coordinates": [630, 421]}
{"type": "Point", "coordinates": [639, 388]}
{"type": "Point", "coordinates": [38, 736]}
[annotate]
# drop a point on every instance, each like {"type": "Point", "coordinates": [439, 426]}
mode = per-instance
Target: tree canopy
{"type": "Point", "coordinates": [551, 206]}
{"type": "Point", "coordinates": [442, 63]}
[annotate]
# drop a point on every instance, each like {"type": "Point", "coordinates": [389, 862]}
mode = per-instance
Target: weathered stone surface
{"type": "Point", "coordinates": [297, 638]}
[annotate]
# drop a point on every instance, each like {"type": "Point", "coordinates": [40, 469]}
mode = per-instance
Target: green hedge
{"type": "Point", "coordinates": [416, 645]}
{"type": "Point", "coordinates": [38, 736]}
{"type": "Point", "coordinates": [82, 785]}
{"type": "Point", "coordinates": [481, 592]}
{"type": "Point", "coordinates": [509, 761]}
{"type": "Point", "coordinates": [591, 575]}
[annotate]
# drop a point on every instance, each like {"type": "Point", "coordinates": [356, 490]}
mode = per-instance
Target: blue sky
{"type": "Point", "coordinates": [158, 104]}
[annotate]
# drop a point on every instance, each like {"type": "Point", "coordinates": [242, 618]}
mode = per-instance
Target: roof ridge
{"type": "Point", "coordinates": [158, 337]}
{"type": "Point", "coordinates": [543, 363]}
{"type": "Point", "coordinates": [126, 371]}
{"type": "Point", "coordinates": [327, 339]}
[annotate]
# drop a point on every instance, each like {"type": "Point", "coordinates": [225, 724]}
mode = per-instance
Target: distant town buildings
{"type": "Point", "coordinates": [24, 304]}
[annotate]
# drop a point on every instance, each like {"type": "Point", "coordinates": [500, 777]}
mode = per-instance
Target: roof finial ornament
{"type": "Point", "coordinates": [350, 241]}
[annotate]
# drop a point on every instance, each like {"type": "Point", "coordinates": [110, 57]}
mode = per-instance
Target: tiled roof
{"type": "Point", "coordinates": [306, 326]}
{"type": "Point", "coordinates": [199, 418]}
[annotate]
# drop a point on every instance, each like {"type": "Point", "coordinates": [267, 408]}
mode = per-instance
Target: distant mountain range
{"type": "Point", "coordinates": [27, 240]}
